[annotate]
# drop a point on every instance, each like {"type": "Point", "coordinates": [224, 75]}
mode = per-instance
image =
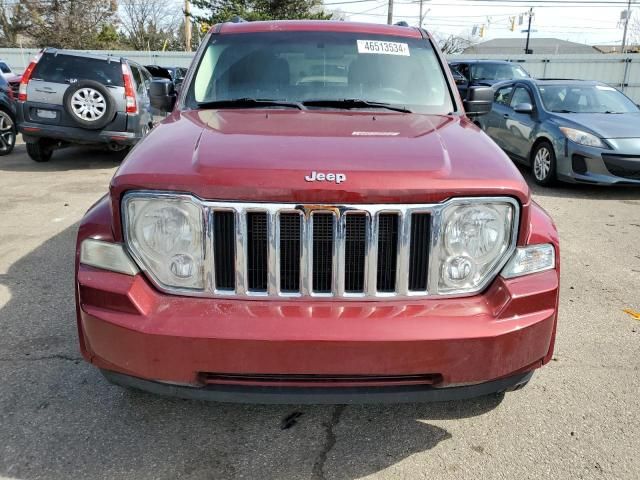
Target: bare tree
{"type": "Point", "coordinates": [75, 24]}
{"type": "Point", "coordinates": [150, 24]}
{"type": "Point", "coordinates": [453, 44]}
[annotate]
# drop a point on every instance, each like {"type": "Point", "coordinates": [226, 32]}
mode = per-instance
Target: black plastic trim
{"type": "Point", "coordinates": [320, 395]}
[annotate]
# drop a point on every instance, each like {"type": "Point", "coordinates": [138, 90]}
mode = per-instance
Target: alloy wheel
{"type": "Point", "coordinates": [542, 163]}
{"type": "Point", "coordinates": [7, 132]}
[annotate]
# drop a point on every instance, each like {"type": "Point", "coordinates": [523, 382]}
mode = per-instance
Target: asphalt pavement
{"type": "Point", "coordinates": [61, 420]}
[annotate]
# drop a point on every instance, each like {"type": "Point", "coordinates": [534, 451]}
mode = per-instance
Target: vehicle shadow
{"type": "Point", "coordinates": [581, 190]}
{"type": "Point", "coordinates": [65, 159]}
{"type": "Point", "coordinates": [61, 420]}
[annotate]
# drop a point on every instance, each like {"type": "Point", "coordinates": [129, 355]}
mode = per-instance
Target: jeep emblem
{"type": "Point", "coordinates": [326, 177]}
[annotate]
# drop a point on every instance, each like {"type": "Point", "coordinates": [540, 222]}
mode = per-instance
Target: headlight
{"type": "Point", "coordinates": [474, 240]}
{"type": "Point", "coordinates": [165, 235]}
{"type": "Point", "coordinates": [582, 138]}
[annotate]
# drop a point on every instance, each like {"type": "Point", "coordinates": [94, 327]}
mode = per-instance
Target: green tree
{"type": "Point", "coordinates": [216, 11]}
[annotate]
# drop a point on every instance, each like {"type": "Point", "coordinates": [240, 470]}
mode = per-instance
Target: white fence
{"type": "Point", "coordinates": [620, 71]}
{"type": "Point", "coordinates": [18, 59]}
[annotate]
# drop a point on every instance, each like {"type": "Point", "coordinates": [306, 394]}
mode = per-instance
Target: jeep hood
{"type": "Point", "coordinates": [265, 155]}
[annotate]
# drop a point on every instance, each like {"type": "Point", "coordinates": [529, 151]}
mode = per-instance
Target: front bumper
{"type": "Point", "coordinates": [128, 327]}
{"type": "Point", "coordinates": [582, 164]}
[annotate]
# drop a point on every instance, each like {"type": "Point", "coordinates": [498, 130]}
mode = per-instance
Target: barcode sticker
{"type": "Point", "coordinates": [383, 48]}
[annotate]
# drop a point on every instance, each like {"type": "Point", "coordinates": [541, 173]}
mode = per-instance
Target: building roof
{"type": "Point", "coordinates": [617, 48]}
{"type": "Point", "coordinates": [514, 46]}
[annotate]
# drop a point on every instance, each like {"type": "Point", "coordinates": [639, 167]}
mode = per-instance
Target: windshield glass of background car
{"type": "Point", "coordinates": [497, 71]}
{"type": "Point", "coordinates": [585, 99]}
{"type": "Point", "coordinates": [300, 66]}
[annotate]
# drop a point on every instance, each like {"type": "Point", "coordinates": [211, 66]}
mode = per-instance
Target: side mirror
{"type": "Point", "coordinates": [479, 101]}
{"type": "Point", "coordinates": [526, 108]}
{"type": "Point", "coordinates": [162, 94]}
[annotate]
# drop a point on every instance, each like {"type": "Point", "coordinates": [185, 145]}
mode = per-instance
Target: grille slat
{"type": "Point", "coordinates": [257, 268]}
{"type": "Point", "coordinates": [224, 250]}
{"type": "Point", "coordinates": [290, 227]}
{"type": "Point", "coordinates": [322, 252]}
{"type": "Point", "coordinates": [265, 251]}
{"type": "Point", "coordinates": [419, 251]}
{"type": "Point", "coordinates": [355, 252]}
{"type": "Point", "coordinates": [387, 252]}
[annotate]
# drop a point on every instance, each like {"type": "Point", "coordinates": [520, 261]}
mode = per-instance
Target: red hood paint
{"type": "Point", "coordinates": [264, 155]}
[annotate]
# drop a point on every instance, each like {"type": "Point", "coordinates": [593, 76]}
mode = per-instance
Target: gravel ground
{"type": "Point", "coordinates": [60, 420]}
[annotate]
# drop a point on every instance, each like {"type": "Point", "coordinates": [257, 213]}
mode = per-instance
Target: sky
{"type": "Point", "coordinates": [589, 22]}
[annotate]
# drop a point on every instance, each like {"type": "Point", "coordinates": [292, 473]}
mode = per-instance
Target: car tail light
{"type": "Point", "coordinates": [129, 91]}
{"type": "Point", "coordinates": [26, 76]}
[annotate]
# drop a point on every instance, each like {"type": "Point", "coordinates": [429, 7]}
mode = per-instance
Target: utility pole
{"type": "Point", "coordinates": [187, 25]}
{"type": "Point", "coordinates": [390, 13]}
{"type": "Point", "coordinates": [526, 48]}
{"type": "Point", "coordinates": [626, 25]}
{"type": "Point", "coordinates": [420, 17]}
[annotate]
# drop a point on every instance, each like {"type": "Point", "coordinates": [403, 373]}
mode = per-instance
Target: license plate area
{"type": "Point", "coordinates": [46, 114]}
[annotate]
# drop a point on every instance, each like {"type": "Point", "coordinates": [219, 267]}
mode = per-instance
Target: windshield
{"type": "Point", "coordinates": [306, 66]}
{"type": "Point", "coordinates": [497, 71]}
{"type": "Point", "coordinates": [585, 99]}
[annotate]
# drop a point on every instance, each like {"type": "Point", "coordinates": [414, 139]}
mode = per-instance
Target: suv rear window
{"type": "Point", "coordinates": [62, 68]}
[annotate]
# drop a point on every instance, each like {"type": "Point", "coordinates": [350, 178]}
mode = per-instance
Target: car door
{"type": "Point", "coordinates": [494, 122]}
{"type": "Point", "coordinates": [520, 126]}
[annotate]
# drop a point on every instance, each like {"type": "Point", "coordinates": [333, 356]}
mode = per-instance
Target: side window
{"type": "Point", "coordinates": [521, 95]}
{"type": "Point", "coordinates": [136, 76]}
{"type": "Point", "coordinates": [146, 78]}
{"type": "Point", "coordinates": [502, 95]}
{"type": "Point", "coordinates": [463, 68]}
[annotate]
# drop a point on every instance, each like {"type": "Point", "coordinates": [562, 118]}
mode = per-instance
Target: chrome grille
{"type": "Point", "coordinates": [281, 250]}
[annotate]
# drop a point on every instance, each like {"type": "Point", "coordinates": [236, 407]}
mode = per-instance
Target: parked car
{"type": "Point", "coordinates": [572, 130]}
{"type": "Point", "coordinates": [7, 118]}
{"type": "Point", "coordinates": [484, 72]}
{"type": "Point", "coordinates": [175, 74]}
{"type": "Point", "coordinates": [283, 240]}
{"type": "Point", "coordinates": [5, 70]}
{"type": "Point", "coordinates": [78, 98]}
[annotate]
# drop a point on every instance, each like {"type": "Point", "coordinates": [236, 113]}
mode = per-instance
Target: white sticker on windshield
{"type": "Point", "coordinates": [383, 48]}
{"type": "Point", "coordinates": [604, 87]}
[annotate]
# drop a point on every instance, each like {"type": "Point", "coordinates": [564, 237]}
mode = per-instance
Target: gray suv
{"type": "Point", "coordinates": [78, 98]}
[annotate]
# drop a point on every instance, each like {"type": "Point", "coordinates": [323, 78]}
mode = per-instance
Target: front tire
{"type": "Point", "coordinates": [7, 133]}
{"type": "Point", "coordinates": [543, 164]}
{"type": "Point", "coordinates": [40, 151]}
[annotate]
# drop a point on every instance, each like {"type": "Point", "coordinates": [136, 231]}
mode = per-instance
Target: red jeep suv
{"type": "Point", "coordinates": [317, 221]}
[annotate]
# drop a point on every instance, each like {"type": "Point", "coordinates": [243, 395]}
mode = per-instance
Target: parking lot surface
{"type": "Point", "coordinates": [60, 420]}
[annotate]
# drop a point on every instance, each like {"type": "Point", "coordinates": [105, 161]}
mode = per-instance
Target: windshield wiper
{"type": "Point", "coordinates": [249, 103]}
{"type": "Point", "coordinates": [563, 111]}
{"type": "Point", "coordinates": [349, 103]}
